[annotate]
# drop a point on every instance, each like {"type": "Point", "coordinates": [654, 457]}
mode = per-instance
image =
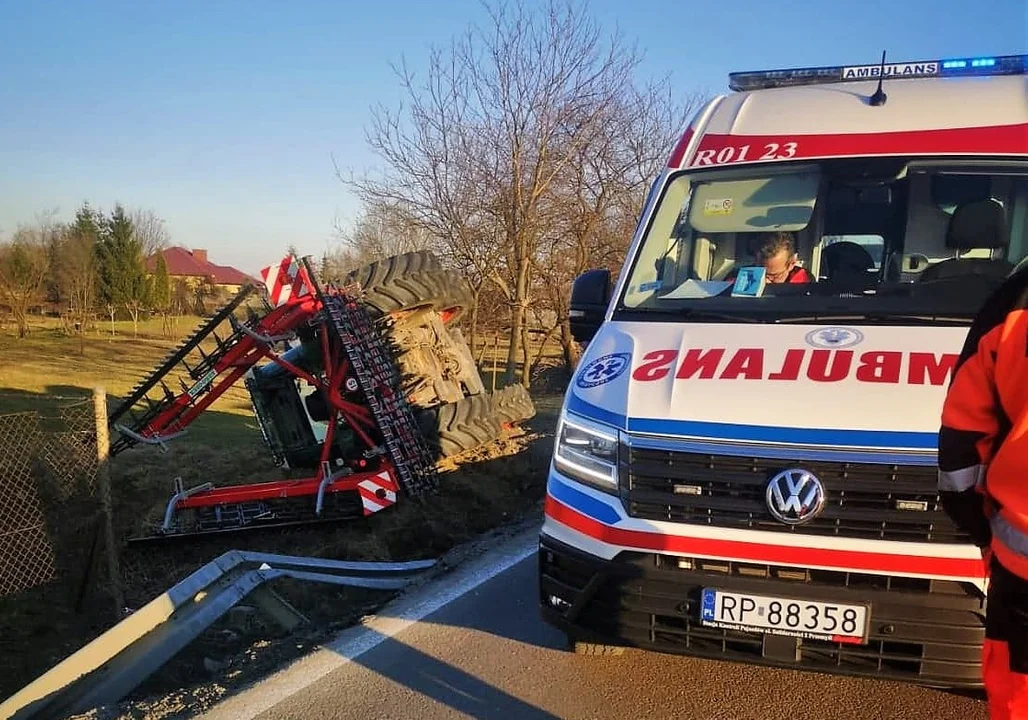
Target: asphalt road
{"type": "Point", "coordinates": [476, 648]}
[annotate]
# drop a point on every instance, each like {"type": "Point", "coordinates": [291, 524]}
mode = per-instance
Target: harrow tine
{"type": "Point", "coordinates": [178, 355]}
{"type": "Point", "coordinates": [378, 376]}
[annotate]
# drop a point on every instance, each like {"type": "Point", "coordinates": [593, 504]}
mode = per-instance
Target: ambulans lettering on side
{"type": "Point", "coordinates": [745, 461]}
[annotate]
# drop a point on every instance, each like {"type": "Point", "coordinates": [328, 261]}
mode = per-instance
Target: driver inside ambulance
{"type": "Point", "coordinates": [777, 254]}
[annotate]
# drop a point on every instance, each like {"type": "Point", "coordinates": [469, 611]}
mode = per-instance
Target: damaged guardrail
{"type": "Point", "coordinates": [115, 663]}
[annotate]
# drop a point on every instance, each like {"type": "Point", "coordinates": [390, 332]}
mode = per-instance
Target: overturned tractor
{"type": "Point", "coordinates": [361, 388]}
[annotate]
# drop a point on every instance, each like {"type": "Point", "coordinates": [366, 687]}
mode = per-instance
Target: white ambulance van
{"type": "Point", "coordinates": [745, 469]}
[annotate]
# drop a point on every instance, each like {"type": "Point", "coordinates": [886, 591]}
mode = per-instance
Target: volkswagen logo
{"type": "Point", "coordinates": [795, 496]}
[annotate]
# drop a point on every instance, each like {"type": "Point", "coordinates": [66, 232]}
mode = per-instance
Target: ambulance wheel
{"type": "Point", "coordinates": [584, 648]}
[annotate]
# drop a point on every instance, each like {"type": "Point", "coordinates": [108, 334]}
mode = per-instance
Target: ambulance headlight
{"type": "Point", "coordinates": [588, 452]}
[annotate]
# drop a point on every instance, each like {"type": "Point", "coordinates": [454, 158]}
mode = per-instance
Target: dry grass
{"type": "Point", "coordinates": [49, 363]}
{"type": "Point", "coordinates": [487, 489]}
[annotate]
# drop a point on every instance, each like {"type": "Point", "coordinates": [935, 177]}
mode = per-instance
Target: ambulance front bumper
{"type": "Point", "coordinates": [602, 582]}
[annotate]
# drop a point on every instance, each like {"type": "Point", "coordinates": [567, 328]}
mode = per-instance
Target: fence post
{"type": "Point", "coordinates": [103, 480]}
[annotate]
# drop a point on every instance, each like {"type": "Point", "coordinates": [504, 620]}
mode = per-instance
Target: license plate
{"type": "Point", "coordinates": [795, 617]}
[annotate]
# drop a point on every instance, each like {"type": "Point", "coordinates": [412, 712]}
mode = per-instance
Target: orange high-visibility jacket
{"type": "Point", "coordinates": [983, 440]}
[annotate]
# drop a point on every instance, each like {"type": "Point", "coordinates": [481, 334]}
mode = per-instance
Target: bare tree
{"type": "Point", "coordinates": [380, 231]}
{"type": "Point", "coordinates": [76, 271]}
{"type": "Point", "coordinates": [24, 268]}
{"type": "Point", "coordinates": [150, 231]}
{"type": "Point", "coordinates": [497, 120]}
{"type": "Point", "coordinates": [496, 131]}
{"type": "Point", "coordinates": [595, 206]}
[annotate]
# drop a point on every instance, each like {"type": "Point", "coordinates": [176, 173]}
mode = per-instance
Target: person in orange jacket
{"type": "Point", "coordinates": [983, 480]}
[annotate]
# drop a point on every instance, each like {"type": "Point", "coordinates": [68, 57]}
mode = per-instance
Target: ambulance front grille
{"type": "Point", "coordinates": [867, 501]}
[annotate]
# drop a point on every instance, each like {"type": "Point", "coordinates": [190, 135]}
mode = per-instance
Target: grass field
{"type": "Point", "coordinates": [48, 366]}
{"type": "Point", "coordinates": [488, 488]}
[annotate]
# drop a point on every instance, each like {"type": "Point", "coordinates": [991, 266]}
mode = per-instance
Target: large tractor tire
{"type": "Point", "coordinates": [399, 285]}
{"type": "Point", "coordinates": [455, 428]}
{"type": "Point", "coordinates": [513, 404]}
{"type": "Point", "coordinates": [418, 301]}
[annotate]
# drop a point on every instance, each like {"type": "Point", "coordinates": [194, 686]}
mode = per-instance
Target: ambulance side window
{"type": "Point", "coordinates": [1018, 215]}
{"type": "Point", "coordinates": [948, 192]}
{"type": "Point", "coordinates": [713, 255]}
{"type": "Point", "coordinates": [873, 244]}
{"type": "Point", "coordinates": [860, 228]}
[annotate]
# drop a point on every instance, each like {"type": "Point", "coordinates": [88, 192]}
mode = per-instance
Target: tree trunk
{"type": "Point", "coordinates": [526, 359]}
{"type": "Point", "coordinates": [572, 352]}
{"type": "Point", "coordinates": [473, 320]}
{"type": "Point", "coordinates": [542, 348]}
{"type": "Point", "coordinates": [520, 310]}
{"type": "Point", "coordinates": [517, 321]}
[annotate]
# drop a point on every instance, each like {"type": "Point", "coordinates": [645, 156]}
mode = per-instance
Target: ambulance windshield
{"type": "Point", "coordinates": [920, 239]}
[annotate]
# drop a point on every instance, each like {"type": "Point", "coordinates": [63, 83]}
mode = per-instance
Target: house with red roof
{"type": "Point", "coordinates": [192, 267]}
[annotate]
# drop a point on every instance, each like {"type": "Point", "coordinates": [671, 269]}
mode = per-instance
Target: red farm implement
{"type": "Point", "coordinates": [361, 388]}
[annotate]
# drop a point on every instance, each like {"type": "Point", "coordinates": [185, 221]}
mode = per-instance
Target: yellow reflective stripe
{"type": "Point", "coordinates": [962, 479]}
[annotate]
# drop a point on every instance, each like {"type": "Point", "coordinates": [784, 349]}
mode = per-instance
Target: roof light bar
{"type": "Point", "coordinates": [952, 67]}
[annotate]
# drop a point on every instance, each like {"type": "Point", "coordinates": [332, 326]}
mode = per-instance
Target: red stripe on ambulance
{"type": "Point", "coordinates": [820, 365]}
{"type": "Point", "coordinates": [719, 149]}
{"type": "Point", "coordinates": [752, 551]}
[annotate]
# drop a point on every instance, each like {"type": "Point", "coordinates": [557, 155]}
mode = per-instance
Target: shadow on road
{"type": "Point", "coordinates": [445, 683]}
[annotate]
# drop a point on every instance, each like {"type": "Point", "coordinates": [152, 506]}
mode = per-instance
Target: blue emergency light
{"type": "Point", "coordinates": [952, 67]}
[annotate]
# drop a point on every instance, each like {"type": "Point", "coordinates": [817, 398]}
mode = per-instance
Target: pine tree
{"type": "Point", "coordinates": [123, 278]}
{"type": "Point", "coordinates": [160, 292]}
{"type": "Point", "coordinates": [78, 272]}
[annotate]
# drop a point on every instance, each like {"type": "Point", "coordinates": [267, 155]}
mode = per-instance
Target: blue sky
{"type": "Point", "coordinates": [223, 117]}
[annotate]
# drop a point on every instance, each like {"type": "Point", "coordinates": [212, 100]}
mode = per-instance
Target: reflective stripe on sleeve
{"type": "Point", "coordinates": [962, 479]}
{"type": "Point", "coordinates": [1009, 535]}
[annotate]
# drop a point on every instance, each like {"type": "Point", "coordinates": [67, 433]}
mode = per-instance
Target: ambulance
{"type": "Point", "coordinates": [745, 469]}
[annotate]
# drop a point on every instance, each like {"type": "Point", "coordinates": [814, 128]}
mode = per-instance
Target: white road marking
{"type": "Point", "coordinates": [392, 619]}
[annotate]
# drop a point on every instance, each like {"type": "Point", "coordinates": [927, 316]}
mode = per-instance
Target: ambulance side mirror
{"type": "Point", "coordinates": [590, 295]}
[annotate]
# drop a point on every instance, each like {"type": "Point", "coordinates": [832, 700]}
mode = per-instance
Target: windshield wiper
{"type": "Point", "coordinates": [702, 314]}
{"type": "Point", "coordinates": [883, 317]}
{"type": "Point", "coordinates": [694, 313]}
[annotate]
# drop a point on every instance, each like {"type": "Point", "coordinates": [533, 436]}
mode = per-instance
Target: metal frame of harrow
{"type": "Point", "coordinates": [378, 486]}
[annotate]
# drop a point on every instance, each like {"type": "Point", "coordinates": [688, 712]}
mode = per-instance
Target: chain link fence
{"type": "Point", "coordinates": [51, 515]}
{"type": "Point", "coordinates": [24, 538]}
{"type": "Point", "coordinates": [58, 577]}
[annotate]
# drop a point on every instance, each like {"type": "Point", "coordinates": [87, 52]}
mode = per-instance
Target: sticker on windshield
{"type": "Point", "coordinates": [750, 282]}
{"type": "Point", "coordinates": [718, 206]}
{"type": "Point", "coordinates": [603, 370]}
